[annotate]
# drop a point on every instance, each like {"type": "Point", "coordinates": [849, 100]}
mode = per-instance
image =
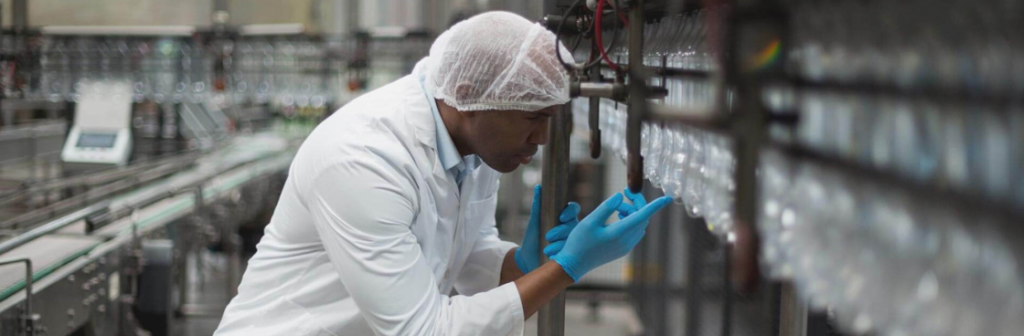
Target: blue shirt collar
{"type": "Point", "coordinates": [460, 167]}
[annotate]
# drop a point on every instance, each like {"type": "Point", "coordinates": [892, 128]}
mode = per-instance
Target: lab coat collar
{"type": "Point", "coordinates": [446, 149]}
{"type": "Point", "coordinates": [440, 140]}
{"type": "Point", "coordinates": [419, 115]}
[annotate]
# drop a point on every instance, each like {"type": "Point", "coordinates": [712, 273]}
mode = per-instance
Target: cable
{"type": "Point", "coordinates": [576, 44]}
{"type": "Point", "coordinates": [593, 61]}
{"type": "Point", "coordinates": [597, 36]}
{"type": "Point", "coordinates": [596, 28]}
{"type": "Point", "coordinates": [558, 34]}
{"type": "Point", "coordinates": [597, 60]}
{"type": "Point", "coordinates": [615, 7]}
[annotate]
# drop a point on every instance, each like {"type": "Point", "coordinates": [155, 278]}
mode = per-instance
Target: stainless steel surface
{"type": "Point", "coordinates": [38, 232]}
{"type": "Point", "coordinates": [72, 294]}
{"type": "Point", "coordinates": [29, 142]}
{"type": "Point", "coordinates": [120, 30]}
{"type": "Point", "coordinates": [554, 196]}
{"type": "Point", "coordinates": [45, 253]}
{"type": "Point", "coordinates": [97, 187]}
{"type": "Point", "coordinates": [48, 253]}
{"type": "Point", "coordinates": [602, 90]}
{"type": "Point", "coordinates": [76, 296]}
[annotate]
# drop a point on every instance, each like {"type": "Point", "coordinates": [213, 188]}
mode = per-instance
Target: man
{"type": "Point", "coordinates": [389, 204]}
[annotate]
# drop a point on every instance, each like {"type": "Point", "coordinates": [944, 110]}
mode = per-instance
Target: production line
{"type": "Point", "coordinates": [797, 167]}
{"type": "Point", "coordinates": [155, 167]}
{"type": "Point", "coordinates": [82, 272]}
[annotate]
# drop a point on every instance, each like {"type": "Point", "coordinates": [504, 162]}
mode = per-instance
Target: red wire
{"type": "Point", "coordinates": [621, 16]}
{"type": "Point", "coordinates": [597, 36]}
{"type": "Point", "coordinates": [597, 32]}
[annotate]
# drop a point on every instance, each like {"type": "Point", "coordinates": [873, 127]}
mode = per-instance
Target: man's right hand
{"type": "Point", "coordinates": [593, 243]}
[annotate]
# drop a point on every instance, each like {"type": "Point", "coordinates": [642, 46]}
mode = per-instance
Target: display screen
{"type": "Point", "coordinates": [96, 140]}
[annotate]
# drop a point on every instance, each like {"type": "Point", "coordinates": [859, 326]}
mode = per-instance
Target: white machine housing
{"type": "Point", "coordinates": [102, 130]}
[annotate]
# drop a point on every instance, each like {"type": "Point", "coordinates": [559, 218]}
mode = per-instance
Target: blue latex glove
{"type": "Point", "coordinates": [593, 243]}
{"type": "Point", "coordinates": [528, 255]}
{"type": "Point", "coordinates": [626, 209]}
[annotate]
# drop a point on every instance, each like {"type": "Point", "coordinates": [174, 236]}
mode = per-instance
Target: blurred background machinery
{"type": "Point", "coordinates": [141, 154]}
{"type": "Point", "coordinates": [840, 167]}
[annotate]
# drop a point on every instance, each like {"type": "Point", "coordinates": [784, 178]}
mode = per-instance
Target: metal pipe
{"type": "Point", "coordinates": [615, 91]}
{"type": "Point", "coordinates": [793, 313]}
{"type": "Point", "coordinates": [595, 118]}
{"type": "Point", "coordinates": [554, 195]}
{"type": "Point", "coordinates": [19, 16]}
{"type": "Point", "coordinates": [352, 20]}
{"type": "Point", "coordinates": [637, 98]}
{"type": "Point", "coordinates": [58, 224]}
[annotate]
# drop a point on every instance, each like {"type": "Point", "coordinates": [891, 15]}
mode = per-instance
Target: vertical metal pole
{"type": "Point", "coordinates": [748, 130]}
{"type": "Point", "coordinates": [637, 98]}
{"type": "Point", "coordinates": [19, 16]}
{"type": "Point", "coordinates": [727, 293]}
{"type": "Point", "coordinates": [353, 16]}
{"type": "Point", "coordinates": [29, 315]}
{"type": "Point", "coordinates": [337, 12]}
{"type": "Point", "coordinates": [220, 5]}
{"type": "Point", "coordinates": [793, 313]}
{"type": "Point", "coordinates": [554, 196]}
{"type": "Point", "coordinates": [595, 115]}
{"type": "Point", "coordinates": [694, 231]}
{"type": "Point", "coordinates": [28, 318]}
{"type": "Point", "coordinates": [220, 16]}
{"type": "Point", "coordinates": [664, 285]}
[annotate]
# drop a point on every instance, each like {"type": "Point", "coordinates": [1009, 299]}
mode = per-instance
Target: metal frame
{"type": "Point", "coordinates": [82, 282]}
{"type": "Point", "coordinates": [554, 193]}
{"type": "Point", "coordinates": [28, 320]}
{"type": "Point", "coordinates": [745, 125]}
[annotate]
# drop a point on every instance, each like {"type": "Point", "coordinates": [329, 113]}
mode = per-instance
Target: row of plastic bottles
{"type": "Point", "coordinates": [886, 262]}
{"type": "Point", "coordinates": [288, 71]}
{"type": "Point", "coordinates": [975, 148]}
{"type": "Point", "coordinates": [694, 167]}
{"type": "Point", "coordinates": [961, 45]}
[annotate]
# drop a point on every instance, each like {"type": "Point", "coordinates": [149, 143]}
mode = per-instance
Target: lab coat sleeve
{"type": "Point", "coordinates": [362, 209]}
{"type": "Point", "coordinates": [482, 271]}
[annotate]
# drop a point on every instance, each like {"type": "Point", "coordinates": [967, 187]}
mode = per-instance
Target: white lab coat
{"type": "Point", "coordinates": [371, 234]}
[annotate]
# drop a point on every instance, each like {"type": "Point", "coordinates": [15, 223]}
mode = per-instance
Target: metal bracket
{"type": "Point", "coordinates": [28, 320]}
{"type": "Point", "coordinates": [616, 91]}
{"type": "Point", "coordinates": [134, 262]}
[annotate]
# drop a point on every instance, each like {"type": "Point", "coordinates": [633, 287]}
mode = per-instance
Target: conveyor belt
{"type": "Point", "coordinates": [47, 254]}
{"type": "Point", "coordinates": [265, 154]}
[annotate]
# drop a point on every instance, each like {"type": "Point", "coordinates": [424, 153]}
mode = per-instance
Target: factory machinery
{"type": "Point", "coordinates": [841, 167]}
{"type": "Point", "coordinates": [136, 162]}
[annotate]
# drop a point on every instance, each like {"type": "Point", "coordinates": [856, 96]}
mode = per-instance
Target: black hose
{"type": "Point", "coordinates": [558, 34]}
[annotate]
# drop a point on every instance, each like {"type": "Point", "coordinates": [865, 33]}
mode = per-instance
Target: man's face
{"type": "Point", "coordinates": [506, 139]}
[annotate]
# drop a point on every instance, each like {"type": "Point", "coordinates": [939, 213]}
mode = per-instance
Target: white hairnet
{"type": "Point", "coordinates": [497, 61]}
